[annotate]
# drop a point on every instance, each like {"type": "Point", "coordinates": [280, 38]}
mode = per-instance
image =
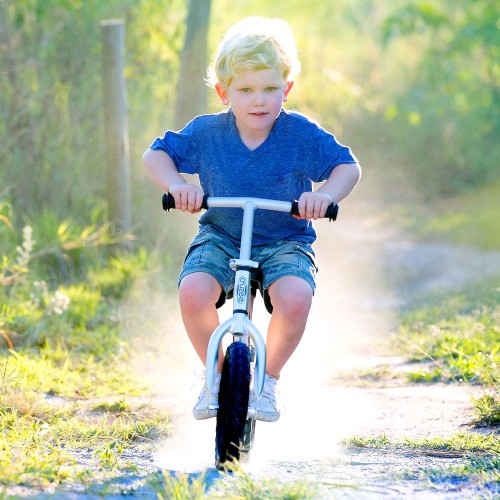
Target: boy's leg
{"type": "Point", "coordinates": [291, 297]}
{"type": "Point", "coordinates": [198, 294]}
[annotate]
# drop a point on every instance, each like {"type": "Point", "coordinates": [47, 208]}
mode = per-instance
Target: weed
{"type": "Point", "coordinates": [487, 408]}
{"type": "Point", "coordinates": [380, 441]}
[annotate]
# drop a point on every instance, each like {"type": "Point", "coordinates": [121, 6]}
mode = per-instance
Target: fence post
{"type": "Point", "coordinates": [116, 126]}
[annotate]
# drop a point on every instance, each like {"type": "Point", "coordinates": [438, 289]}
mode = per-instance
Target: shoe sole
{"type": "Point", "coordinates": [267, 417]}
{"type": "Point", "coordinates": [203, 415]}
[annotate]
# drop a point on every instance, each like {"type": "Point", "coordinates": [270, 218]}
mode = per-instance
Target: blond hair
{"type": "Point", "coordinates": [255, 43]}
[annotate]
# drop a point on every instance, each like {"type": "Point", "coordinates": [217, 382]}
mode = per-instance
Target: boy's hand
{"type": "Point", "coordinates": [188, 197]}
{"type": "Point", "coordinates": [313, 205]}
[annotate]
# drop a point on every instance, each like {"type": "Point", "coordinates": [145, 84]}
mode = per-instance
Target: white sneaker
{"type": "Point", "coordinates": [207, 404]}
{"type": "Point", "coordinates": [267, 406]}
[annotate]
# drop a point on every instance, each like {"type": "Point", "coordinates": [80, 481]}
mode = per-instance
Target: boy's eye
{"type": "Point", "coordinates": [271, 89]}
{"type": "Point", "coordinates": [245, 90]}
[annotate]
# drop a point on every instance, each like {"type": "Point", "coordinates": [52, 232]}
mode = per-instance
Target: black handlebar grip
{"type": "Point", "coordinates": [168, 202]}
{"type": "Point", "coordinates": [331, 211]}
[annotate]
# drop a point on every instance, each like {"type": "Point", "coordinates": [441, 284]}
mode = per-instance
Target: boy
{"type": "Point", "coordinates": [254, 149]}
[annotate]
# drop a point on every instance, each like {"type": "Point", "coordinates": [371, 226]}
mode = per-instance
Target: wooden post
{"type": "Point", "coordinates": [116, 126]}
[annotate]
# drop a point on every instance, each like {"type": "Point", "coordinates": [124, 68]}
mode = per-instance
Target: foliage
{"type": "Point", "coordinates": [51, 104]}
{"type": "Point", "coordinates": [447, 105]}
{"type": "Point", "coordinates": [373, 73]}
{"type": "Point", "coordinates": [120, 272]}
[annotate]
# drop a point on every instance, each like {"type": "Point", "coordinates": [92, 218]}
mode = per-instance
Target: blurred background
{"type": "Point", "coordinates": [412, 86]}
{"type": "Point", "coordinates": [410, 268]}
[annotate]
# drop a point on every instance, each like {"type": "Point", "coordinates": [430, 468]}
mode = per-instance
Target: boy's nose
{"type": "Point", "coordinates": [259, 98]}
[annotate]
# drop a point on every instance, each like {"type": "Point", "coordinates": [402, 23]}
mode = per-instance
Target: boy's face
{"type": "Point", "coordinates": [256, 97]}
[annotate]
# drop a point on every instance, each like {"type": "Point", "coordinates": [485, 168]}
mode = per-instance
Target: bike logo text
{"type": "Point", "coordinates": [240, 290]}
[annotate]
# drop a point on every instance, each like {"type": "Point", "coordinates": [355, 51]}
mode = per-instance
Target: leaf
{"type": "Point", "coordinates": [63, 230]}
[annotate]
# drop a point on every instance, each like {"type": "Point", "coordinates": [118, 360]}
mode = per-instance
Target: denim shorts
{"type": "Point", "coordinates": [211, 250]}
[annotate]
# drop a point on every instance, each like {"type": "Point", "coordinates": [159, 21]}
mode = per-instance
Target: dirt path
{"type": "Point", "coordinates": [367, 272]}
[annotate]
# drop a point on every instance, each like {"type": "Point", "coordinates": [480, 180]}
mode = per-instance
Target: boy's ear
{"type": "Point", "coordinates": [288, 87]}
{"type": "Point", "coordinates": [221, 91]}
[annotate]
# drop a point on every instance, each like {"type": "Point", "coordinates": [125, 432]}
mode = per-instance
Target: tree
{"type": "Point", "coordinates": [191, 89]}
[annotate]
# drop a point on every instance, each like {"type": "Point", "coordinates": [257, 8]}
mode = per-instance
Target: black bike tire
{"type": "Point", "coordinates": [233, 404]}
{"type": "Point", "coordinates": [248, 439]}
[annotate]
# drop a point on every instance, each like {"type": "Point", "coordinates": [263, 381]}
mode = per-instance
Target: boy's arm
{"type": "Point", "coordinates": [162, 171]}
{"type": "Point", "coordinates": [338, 186]}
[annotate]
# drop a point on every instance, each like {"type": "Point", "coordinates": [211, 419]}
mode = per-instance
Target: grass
{"type": "Point", "coordinates": [66, 383]}
{"type": "Point", "coordinates": [477, 471]}
{"type": "Point", "coordinates": [470, 219]}
{"type": "Point", "coordinates": [462, 348]}
{"type": "Point", "coordinates": [468, 442]}
{"type": "Point", "coordinates": [480, 456]}
{"type": "Point", "coordinates": [47, 415]}
{"type": "Point", "coordinates": [40, 451]}
{"type": "Point", "coordinates": [234, 484]}
{"type": "Point", "coordinates": [456, 339]}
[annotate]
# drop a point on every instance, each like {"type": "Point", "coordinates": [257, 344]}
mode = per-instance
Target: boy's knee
{"type": "Point", "coordinates": [292, 296]}
{"type": "Point", "coordinates": [197, 291]}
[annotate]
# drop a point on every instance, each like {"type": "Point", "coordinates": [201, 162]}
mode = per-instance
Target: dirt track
{"type": "Point", "coordinates": [366, 274]}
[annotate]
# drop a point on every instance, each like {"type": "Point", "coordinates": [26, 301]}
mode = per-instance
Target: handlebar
{"type": "Point", "coordinates": [281, 206]}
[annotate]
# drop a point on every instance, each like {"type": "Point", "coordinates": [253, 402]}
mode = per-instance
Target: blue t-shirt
{"type": "Point", "coordinates": [296, 153]}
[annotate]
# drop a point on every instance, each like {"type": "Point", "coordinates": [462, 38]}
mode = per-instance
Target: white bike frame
{"type": "Point", "coordinates": [239, 324]}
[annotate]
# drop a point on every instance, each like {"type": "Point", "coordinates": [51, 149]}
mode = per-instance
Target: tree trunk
{"type": "Point", "coordinates": [191, 88]}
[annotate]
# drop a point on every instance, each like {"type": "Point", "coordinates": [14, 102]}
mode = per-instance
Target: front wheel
{"type": "Point", "coordinates": [248, 438]}
{"type": "Point", "coordinates": [233, 405]}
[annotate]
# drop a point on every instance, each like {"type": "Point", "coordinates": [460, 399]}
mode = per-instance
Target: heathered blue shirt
{"type": "Point", "coordinates": [297, 153]}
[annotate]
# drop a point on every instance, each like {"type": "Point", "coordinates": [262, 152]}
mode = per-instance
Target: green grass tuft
{"type": "Point", "coordinates": [487, 408]}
